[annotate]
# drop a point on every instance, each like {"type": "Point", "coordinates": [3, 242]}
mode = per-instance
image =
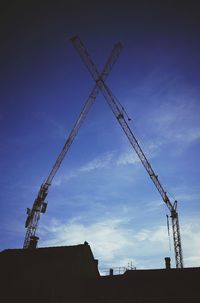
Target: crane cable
{"type": "Point", "coordinates": [168, 231]}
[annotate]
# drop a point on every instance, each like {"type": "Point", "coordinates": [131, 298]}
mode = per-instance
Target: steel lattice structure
{"type": "Point", "coordinates": [39, 205]}
{"type": "Point", "coordinates": [118, 112]}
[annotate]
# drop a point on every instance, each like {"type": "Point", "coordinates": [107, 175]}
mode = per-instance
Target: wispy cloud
{"type": "Point", "coordinates": [186, 196]}
{"type": "Point", "coordinates": [115, 243]}
{"type": "Point", "coordinates": [154, 205]}
{"type": "Point", "coordinates": [127, 158]}
{"type": "Point", "coordinates": [172, 109]}
{"type": "Point", "coordinates": [108, 160]}
{"type": "Point", "coordinates": [191, 241]}
{"type": "Point", "coordinates": [177, 120]}
{"type": "Point", "coordinates": [64, 178]}
{"type": "Point", "coordinates": [100, 162]}
{"type": "Point", "coordinates": [105, 236]}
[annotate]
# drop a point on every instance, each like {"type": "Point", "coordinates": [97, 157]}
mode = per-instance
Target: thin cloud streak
{"type": "Point", "coordinates": [108, 160]}
{"type": "Point", "coordinates": [114, 241]}
{"type": "Point", "coordinates": [127, 158]}
{"type": "Point", "coordinates": [100, 162]}
{"type": "Point", "coordinates": [177, 121]}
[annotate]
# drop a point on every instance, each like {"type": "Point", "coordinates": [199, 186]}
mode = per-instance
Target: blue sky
{"type": "Point", "coordinates": [101, 193]}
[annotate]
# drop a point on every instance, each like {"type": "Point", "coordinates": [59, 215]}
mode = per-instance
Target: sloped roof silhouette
{"type": "Point", "coordinates": [74, 260]}
{"type": "Point", "coordinates": [51, 274]}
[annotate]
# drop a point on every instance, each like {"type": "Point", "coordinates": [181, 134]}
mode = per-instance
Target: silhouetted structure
{"type": "Point", "coordinates": [54, 274]}
{"type": "Point", "coordinates": [70, 274]}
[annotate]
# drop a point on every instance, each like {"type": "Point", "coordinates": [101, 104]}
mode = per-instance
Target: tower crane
{"type": "Point", "coordinates": [39, 204]}
{"type": "Point", "coordinates": [118, 112]}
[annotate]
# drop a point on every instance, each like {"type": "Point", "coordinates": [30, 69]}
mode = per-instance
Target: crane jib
{"type": "Point", "coordinates": [39, 205]}
{"type": "Point", "coordinates": [109, 97]}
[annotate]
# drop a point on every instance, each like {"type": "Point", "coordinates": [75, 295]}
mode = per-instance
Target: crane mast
{"type": "Point", "coordinates": [118, 112]}
{"type": "Point", "coordinates": [39, 205]}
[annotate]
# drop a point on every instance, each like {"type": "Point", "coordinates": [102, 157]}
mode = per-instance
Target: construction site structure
{"type": "Point", "coordinates": [40, 205]}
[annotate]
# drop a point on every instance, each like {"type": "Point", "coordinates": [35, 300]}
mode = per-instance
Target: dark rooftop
{"type": "Point", "coordinates": [70, 274]}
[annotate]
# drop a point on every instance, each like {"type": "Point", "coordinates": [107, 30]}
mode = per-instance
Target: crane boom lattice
{"type": "Point", "coordinates": [39, 205]}
{"type": "Point", "coordinates": [110, 98]}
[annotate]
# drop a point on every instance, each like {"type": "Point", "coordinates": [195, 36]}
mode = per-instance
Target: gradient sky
{"type": "Point", "coordinates": [101, 193]}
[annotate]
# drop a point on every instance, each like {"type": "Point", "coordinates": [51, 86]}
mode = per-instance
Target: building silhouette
{"type": "Point", "coordinates": [70, 274]}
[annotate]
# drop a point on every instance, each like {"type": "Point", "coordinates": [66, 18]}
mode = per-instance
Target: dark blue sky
{"type": "Point", "coordinates": [101, 193]}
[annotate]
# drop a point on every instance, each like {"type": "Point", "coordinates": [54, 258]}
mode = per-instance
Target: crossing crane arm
{"type": "Point", "coordinates": [39, 205]}
{"type": "Point", "coordinates": [118, 112]}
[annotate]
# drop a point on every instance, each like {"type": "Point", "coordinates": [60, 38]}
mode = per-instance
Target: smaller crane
{"type": "Point", "coordinates": [118, 112]}
{"type": "Point", "coordinates": [39, 205]}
